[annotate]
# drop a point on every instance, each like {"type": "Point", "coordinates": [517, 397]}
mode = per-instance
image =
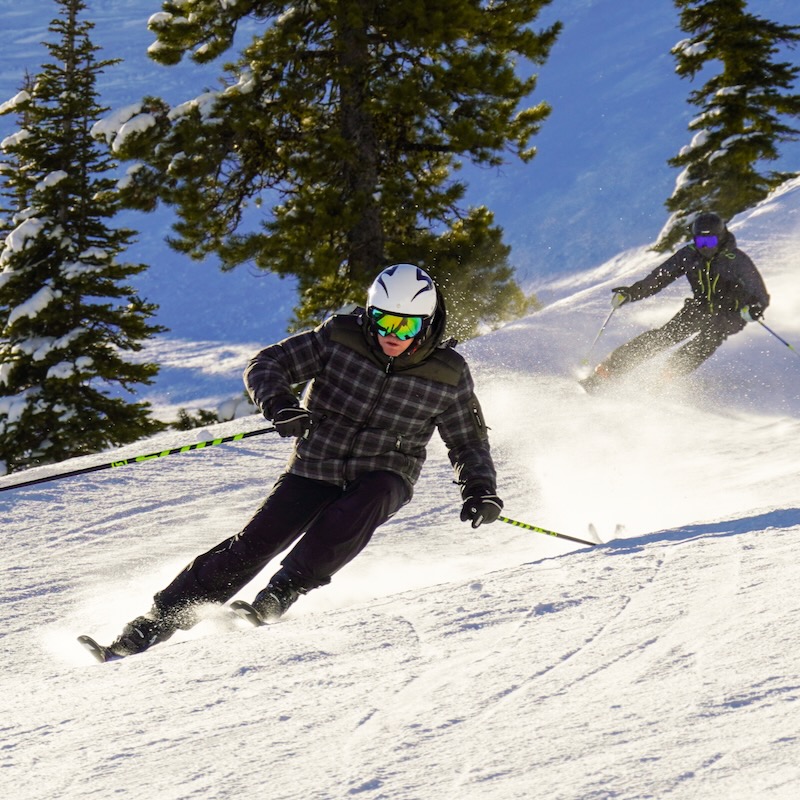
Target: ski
{"type": "Point", "coordinates": [618, 530]}
{"type": "Point", "coordinates": [594, 534]}
{"type": "Point", "coordinates": [245, 611]}
{"type": "Point", "coordinates": [594, 384]}
{"type": "Point", "coordinates": [99, 651]}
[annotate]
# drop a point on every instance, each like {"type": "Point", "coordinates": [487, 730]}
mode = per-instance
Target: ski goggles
{"type": "Point", "coordinates": [402, 327]}
{"type": "Point", "coordinates": [706, 241]}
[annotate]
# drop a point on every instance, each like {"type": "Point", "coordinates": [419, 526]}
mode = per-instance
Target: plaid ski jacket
{"type": "Point", "coordinates": [372, 412]}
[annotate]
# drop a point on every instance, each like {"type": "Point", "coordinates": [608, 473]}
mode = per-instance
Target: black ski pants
{"type": "Point", "coordinates": [335, 524]}
{"type": "Point", "coordinates": [708, 329]}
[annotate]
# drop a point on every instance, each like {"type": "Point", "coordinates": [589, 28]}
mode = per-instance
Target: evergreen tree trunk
{"type": "Point", "coordinates": [360, 164]}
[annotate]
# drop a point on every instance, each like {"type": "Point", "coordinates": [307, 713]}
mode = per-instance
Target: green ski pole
{"type": "Point", "coordinates": [616, 302]}
{"type": "Point", "coordinates": [766, 327]}
{"type": "Point", "coordinates": [138, 459]}
{"type": "Point", "coordinates": [599, 334]}
{"type": "Point", "coordinates": [537, 529]}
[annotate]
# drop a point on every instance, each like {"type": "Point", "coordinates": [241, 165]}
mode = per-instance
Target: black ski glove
{"type": "Point", "coordinates": [481, 506]}
{"type": "Point", "coordinates": [752, 312]}
{"type": "Point", "coordinates": [622, 294]}
{"type": "Point", "coordinates": [293, 421]}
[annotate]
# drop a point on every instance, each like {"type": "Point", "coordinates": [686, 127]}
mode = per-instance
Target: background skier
{"type": "Point", "coordinates": [727, 292]}
{"type": "Point", "coordinates": [382, 381]}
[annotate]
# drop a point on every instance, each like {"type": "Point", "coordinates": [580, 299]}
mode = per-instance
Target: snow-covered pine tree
{"type": "Point", "coordinates": [746, 107]}
{"type": "Point", "coordinates": [332, 147]}
{"type": "Point", "coordinates": [68, 320]}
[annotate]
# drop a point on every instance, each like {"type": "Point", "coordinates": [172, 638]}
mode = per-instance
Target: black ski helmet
{"type": "Point", "coordinates": [707, 228]}
{"type": "Point", "coordinates": [709, 224]}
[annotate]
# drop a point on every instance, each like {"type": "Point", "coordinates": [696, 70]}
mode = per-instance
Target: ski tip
{"type": "Point", "coordinates": [245, 611]}
{"type": "Point", "coordinates": [619, 529]}
{"type": "Point", "coordinates": [594, 535]}
{"type": "Point", "coordinates": [101, 653]}
{"type": "Point", "coordinates": [589, 385]}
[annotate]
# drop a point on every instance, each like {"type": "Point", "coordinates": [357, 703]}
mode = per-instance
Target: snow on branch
{"type": "Point", "coordinates": [34, 305]}
{"type": "Point", "coordinates": [11, 105]}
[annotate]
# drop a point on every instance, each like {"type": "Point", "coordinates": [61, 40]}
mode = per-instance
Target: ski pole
{"type": "Point", "coordinates": [528, 527]}
{"type": "Point", "coordinates": [137, 459]}
{"type": "Point", "coordinates": [600, 333]}
{"type": "Point", "coordinates": [764, 325]}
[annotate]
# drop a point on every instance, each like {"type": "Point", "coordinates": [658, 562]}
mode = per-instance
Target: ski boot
{"type": "Point", "coordinates": [142, 633]}
{"type": "Point", "coordinates": [596, 380]}
{"type": "Point", "coordinates": [157, 625]}
{"type": "Point", "coordinates": [272, 602]}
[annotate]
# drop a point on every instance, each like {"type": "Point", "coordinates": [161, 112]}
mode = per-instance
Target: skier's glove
{"type": "Point", "coordinates": [752, 312]}
{"type": "Point", "coordinates": [293, 421]}
{"type": "Point", "coordinates": [622, 294]}
{"type": "Point", "coordinates": [480, 506]}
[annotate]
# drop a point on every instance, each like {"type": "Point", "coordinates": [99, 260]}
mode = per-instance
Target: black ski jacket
{"type": "Point", "coordinates": [723, 284]}
{"type": "Point", "coordinates": [372, 412]}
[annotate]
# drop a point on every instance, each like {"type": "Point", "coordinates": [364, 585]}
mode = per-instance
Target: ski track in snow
{"type": "Point", "coordinates": [417, 660]}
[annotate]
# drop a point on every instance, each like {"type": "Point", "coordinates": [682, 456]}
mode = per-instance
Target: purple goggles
{"type": "Point", "coordinates": [706, 241]}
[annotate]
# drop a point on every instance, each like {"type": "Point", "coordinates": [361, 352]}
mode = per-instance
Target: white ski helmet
{"type": "Point", "coordinates": [403, 289]}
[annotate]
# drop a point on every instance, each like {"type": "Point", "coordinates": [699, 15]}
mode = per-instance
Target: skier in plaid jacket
{"type": "Point", "coordinates": [380, 382]}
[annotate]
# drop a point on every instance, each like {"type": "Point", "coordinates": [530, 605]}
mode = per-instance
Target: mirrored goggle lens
{"type": "Point", "coordinates": [402, 327]}
{"type": "Point", "coordinates": [706, 241]}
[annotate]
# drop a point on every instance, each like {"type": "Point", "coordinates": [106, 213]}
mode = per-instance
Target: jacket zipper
{"type": "Point", "coordinates": [377, 400]}
{"type": "Point", "coordinates": [708, 286]}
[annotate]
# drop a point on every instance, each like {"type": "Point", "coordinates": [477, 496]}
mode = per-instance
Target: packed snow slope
{"type": "Point", "coordinates": [447, 662]}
